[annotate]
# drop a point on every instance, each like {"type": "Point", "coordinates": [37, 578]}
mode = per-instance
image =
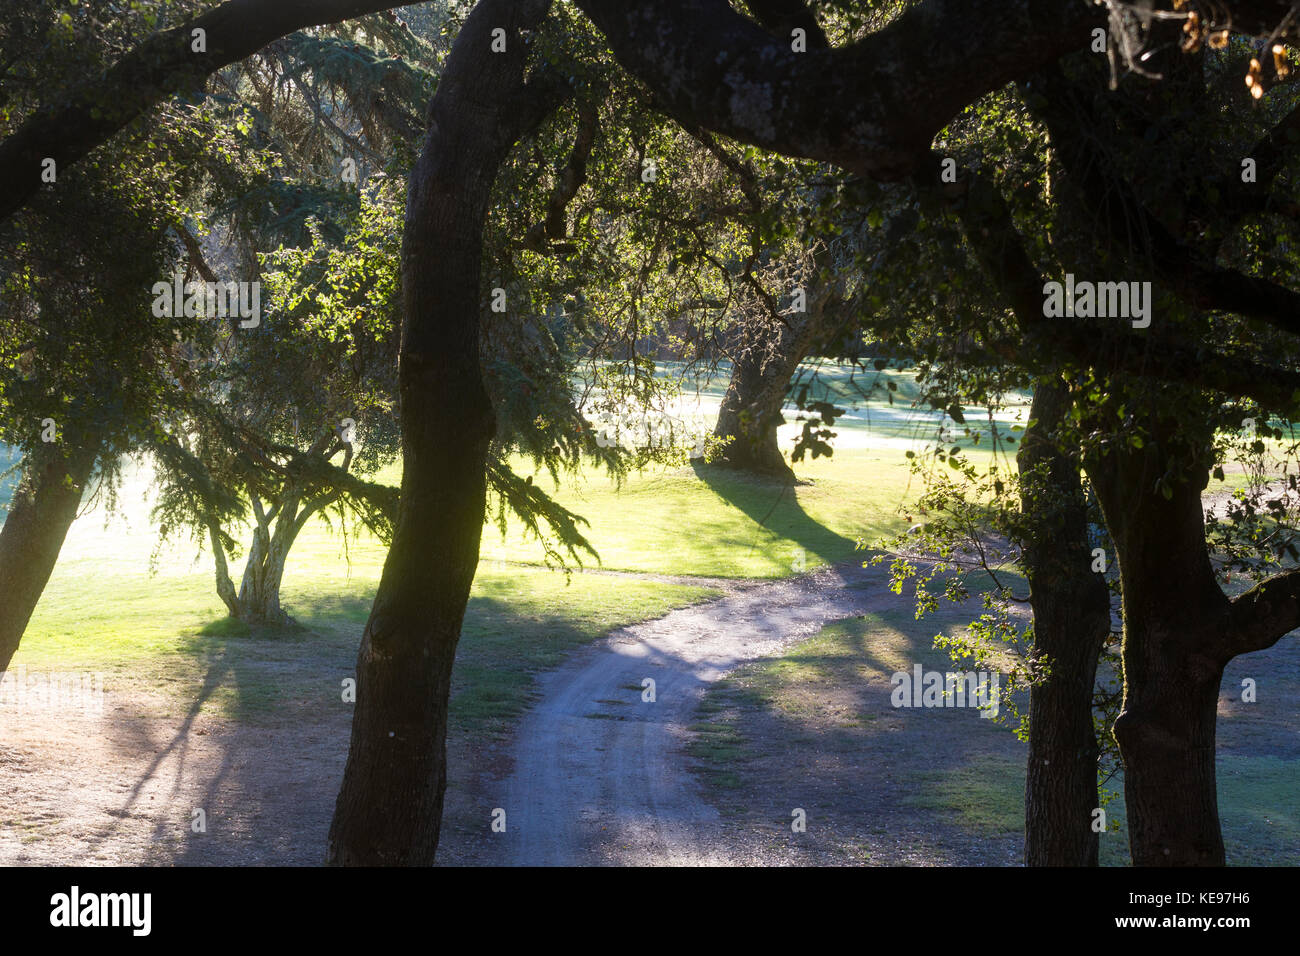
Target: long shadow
{"type": "Point", "coordinates": [775, 506]}
{"type": "Point", "coordinates": [267, 774]}
{"type": "Point", "coordinates": [257, 810]}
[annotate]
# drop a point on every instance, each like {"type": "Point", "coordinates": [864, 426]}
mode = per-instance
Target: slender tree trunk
{"type": "Point", "coordinates": [389, 808]}
{"type": "Point", "coordinates": [259, 591]}
{"type": "Point", "coordinates": [1175, 621]}
{"type": "Point", "coordinates": [250, 583]}
{"type": "Point", "coordinates": [44, 506]}
{"type": "Point", "coordinates": [225, 587]}
{"type": "Point", "coordinates": [1071, 607]}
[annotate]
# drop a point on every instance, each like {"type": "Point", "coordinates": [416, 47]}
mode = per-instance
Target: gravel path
{"type": "Point", "coordinates": [598, 774]}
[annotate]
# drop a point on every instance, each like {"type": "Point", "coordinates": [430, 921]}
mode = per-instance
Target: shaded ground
{"type": "Point", "coordinates": [122, 788]}
{"type": "Point", "coordinates": [880, 785]}
{"type": "Point", "coordinates": [799, 717]}
{"type": "Point", "coordinates": [596, 770]}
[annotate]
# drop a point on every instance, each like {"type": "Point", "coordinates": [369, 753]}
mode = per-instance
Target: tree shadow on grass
{"type": "Point", "coordinates": [775, 506]}
{"type": "Point", "coordinates": [266, 775]}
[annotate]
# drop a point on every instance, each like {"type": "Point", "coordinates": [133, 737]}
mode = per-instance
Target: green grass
{"type": "Point", "coordinates": [103, 608]}
{"type": "Point", "coordinates": [716, 523]}
{"type": "Point", "coordinates": [1258, 813]}
{"type": "Point", "coordinates": [103, 611]}
{"type": "Point", "coordinates": [1257, 806]}
{"type": "Point", "coordinates": [512, 633]}
{"type": "Point", "coordinates": [708, 521]}
{"type": "Point", "coordinates": [720, 748]}
{"type": "Point", "coordinates": [985, 795]}
{"type": "Point", "coordinates": [175, 639]}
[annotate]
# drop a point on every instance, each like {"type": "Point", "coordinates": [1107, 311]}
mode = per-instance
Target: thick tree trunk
{"type": "Point", "coordinates": [1167, 736]}
{"type": "Point", "coordinates": [1175, 621]}
{"type": "Point", "coordinates": [389, 807]}
{"type": "Point", "coordinates": [1071, 607]}
{"type": "Point", "coordinates": [750, 414]}
{"type": "Point", "coordinates": [44, 506]}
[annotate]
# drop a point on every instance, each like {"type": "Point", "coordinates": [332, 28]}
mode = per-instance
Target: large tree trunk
{"type": "Point", "coordinates": [389, 808]}
{"type": "Point", "coordinates": [1071, 607]}
{"type": "Point", "coordinates": [1175, 621]}
{"type": "Point", "coordinates": [44, 506]}
{"type": "Point", "coordinates": [767, 357]}
{"type": "Point", "coordinates": [750, 414]}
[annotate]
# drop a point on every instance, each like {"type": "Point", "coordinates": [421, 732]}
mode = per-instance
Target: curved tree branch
{"type": "Point", "coordinates": [160, 67]}
{"type": "Point", "coordinates": [870, 107]}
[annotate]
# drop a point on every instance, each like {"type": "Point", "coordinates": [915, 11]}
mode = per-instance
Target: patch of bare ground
{"type": "Point", "coordinates": [125, 787]}
{"type": "Point", "coordinates": [815, 730]}
{"type": "Point", "coordinates": [742, 735]}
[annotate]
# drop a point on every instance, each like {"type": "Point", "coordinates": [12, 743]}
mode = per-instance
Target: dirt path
{"type": "Point", "coordinates": [593, 774]}
{"type": "Point", "coordinates": [598, 774]}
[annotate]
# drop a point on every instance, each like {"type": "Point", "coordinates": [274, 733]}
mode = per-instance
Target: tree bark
{"type": "Point", "coordinates": [389, 807]}
{"type": "Point", "coordinates": [225, 587]}
{"type": "Point", "coordinates": [872, 106]}
{"type": "Point", "coordinates": [258, 599]}
{"type": "Point", "coordinates": [44, 506]}
{"type": "Point", "coordinates": [259, 591]}
{"type": "Point", "coordinates": [750, 413]}
{"type": "Point", "coordinates": [1071, 606]}
{"type": "Point", "coordinates": [1175, 620]}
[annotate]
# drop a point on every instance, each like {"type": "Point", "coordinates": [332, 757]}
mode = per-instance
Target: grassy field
{"type": "Point", "coordinates": [109, 604]}
{"type": "Point", "coordinates": [153, 623]}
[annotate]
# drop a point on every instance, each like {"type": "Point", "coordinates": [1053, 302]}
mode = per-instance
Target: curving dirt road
{"type": "Point", "coordinates": [599, 774]}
